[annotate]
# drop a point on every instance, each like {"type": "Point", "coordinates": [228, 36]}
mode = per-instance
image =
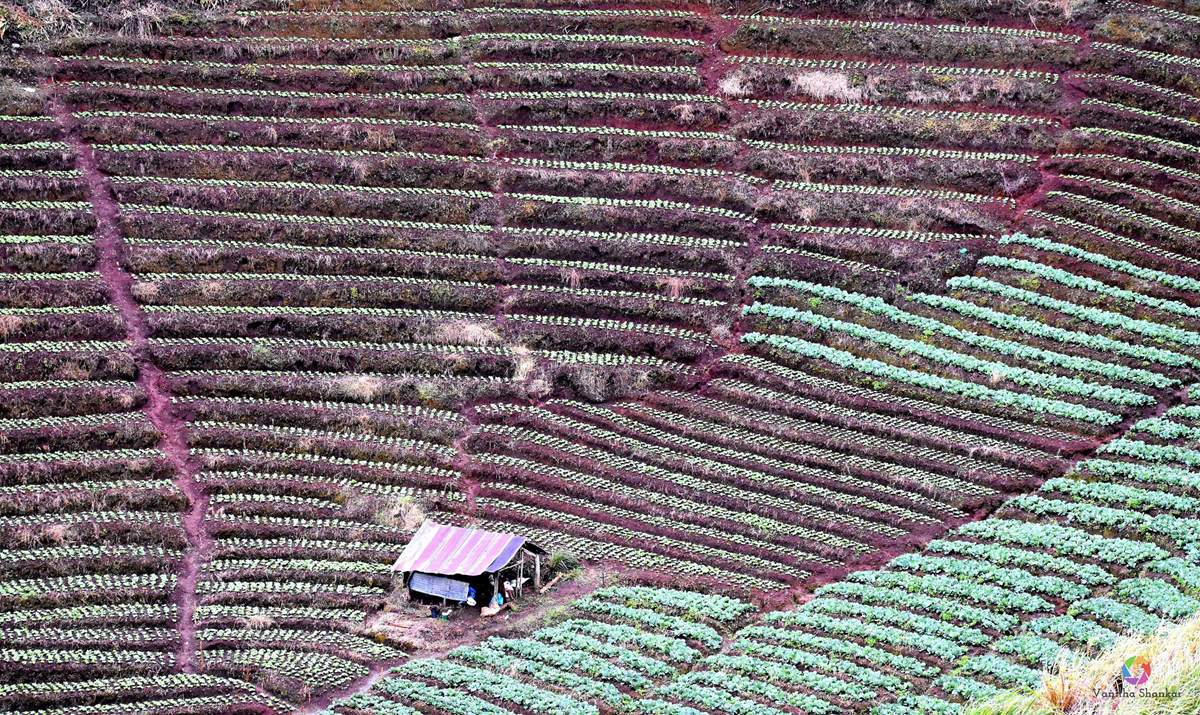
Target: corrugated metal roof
{"type": "Point", "coordinates": [456, 551]}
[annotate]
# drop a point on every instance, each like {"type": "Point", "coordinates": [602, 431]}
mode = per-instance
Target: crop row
{"type": "Point", "coordinates": [736, 392]}
{"type": "Point", "coordinates": [759, 552]}
{"type": "Point", "coordinates": [1077, 282]}
{"type": "Point", "coordinates": [794, 450]}
{"type": "Point", "coordinates": [1096, 316]}
{"type": "Point", "coordinates": [1016, 349]}
{"type": "Point", "coordinates": [699, 485]}
{"type": "Point", "coordinates": [1049, 383]}
{"type": "Point", "coordinates": [805, 449]}
{"type": "Point", "coordinates": [948, 601]}
{"type": "Point", "coordinates": [950, 386]}
{"type": "Point", "coordinates": [623, 640]}
{"type": "Point", "coordinates": [693, 508]}
{"type": "Point", "coordinates": [606, 528]}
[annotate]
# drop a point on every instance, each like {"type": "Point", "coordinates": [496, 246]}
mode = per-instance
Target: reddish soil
{"type": "Point", "coordinates": [434, 638]}
{"type": "Point", "coordinates": [430, 637]}
{"type": "Point", "coordinates": [158, 408]}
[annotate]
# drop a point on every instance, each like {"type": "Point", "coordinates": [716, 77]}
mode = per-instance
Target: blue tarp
{"type": "Point", "coordinates": [448, 588]}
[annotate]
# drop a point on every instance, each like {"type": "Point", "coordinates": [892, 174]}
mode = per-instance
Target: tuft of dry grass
{"type": "Point", "coordinates": [1093, 685]}
{"type": "Point", "coordinates": [48, 20]}
{"type": "Point", "coordinates": [733, 85]}
{"type": "Point", "coordinates": [1060, 690]}
{"type": "Point", "coordinates": [57, 533]}
{"type": "Point", "coordinates": [258, 621]}
{"type": "Point", "coordinates": [362, 388]}
{"type": "Point", "coordinates": [10, 324]}
{"type": "Point", "coordinates": [40, 20]}
{"type": "Point", "coordinates": [526, 362]}
{"type": "Point", "coordinates": [821, 84]}
{"type": "Point", "coordinates": [466, 332]}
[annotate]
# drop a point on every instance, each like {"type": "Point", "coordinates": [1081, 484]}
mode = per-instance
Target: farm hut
{"type": "Point", "coordinates": [449, 562]}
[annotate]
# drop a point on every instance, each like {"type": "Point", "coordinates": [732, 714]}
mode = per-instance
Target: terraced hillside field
{"type": "Point", "coordinates": [861, 341]}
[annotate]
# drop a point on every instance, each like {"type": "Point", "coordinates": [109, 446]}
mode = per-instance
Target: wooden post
{"type": "Point", "coordinates": [550, 585]}
{"type": "Point", "coordinates": [537, 571]}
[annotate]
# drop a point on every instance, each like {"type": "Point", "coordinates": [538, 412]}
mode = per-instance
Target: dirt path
{"type": "Point", "coordinates": [468, 628]}
{"type": "Point", "coordinates": [174, 444]}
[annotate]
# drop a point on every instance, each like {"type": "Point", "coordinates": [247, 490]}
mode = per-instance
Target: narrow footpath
{"type": "Point", "coordinates": [174, 443]}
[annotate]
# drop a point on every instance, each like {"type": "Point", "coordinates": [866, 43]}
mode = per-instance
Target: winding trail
{"type": "Point", "coordinates": [376, 672]}
{"type": "Point", "coordinates": [744, 259]}
{"type": "Point", "coordinates": [110, 248]}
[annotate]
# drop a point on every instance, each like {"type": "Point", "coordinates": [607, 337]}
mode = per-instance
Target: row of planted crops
{"type": "Point", "coordinates": [1113, 548]}
{"type": "Point", "coordinates": [708, 296]}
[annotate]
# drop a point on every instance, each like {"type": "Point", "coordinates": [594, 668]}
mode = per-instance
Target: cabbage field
{"type": "Point", "coordinates": [858, 342]}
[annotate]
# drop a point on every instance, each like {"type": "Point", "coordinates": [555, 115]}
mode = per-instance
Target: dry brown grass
{"type": "Point", "coordinates": [1093, 685]}
{"type": "Point", "coordinates": [526, 362]}
{"type": "Point", "coordinates": [733, 85]}
{"type": "Point", "coordinates": [258, 622]}
{"type": "Point", "coordinates": [48, 20]}
{"type": "Point", "coordinates": [362, 388]}
{"type": "Point", "coordinates": [820, 84]}
{"type": "Point", "coordinates": [40, 20]}
{"type": "Point", "coordinates": [466, 332]}
{"type": "Point", "coordinates": [10, 324]}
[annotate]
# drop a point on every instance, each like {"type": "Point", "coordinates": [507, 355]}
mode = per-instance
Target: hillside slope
{"type": "Point", "coordinates": [744, 302]}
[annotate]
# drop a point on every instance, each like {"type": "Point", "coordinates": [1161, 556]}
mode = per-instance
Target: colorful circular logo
{"type": "Point", "coordinates": [1136, 671]}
